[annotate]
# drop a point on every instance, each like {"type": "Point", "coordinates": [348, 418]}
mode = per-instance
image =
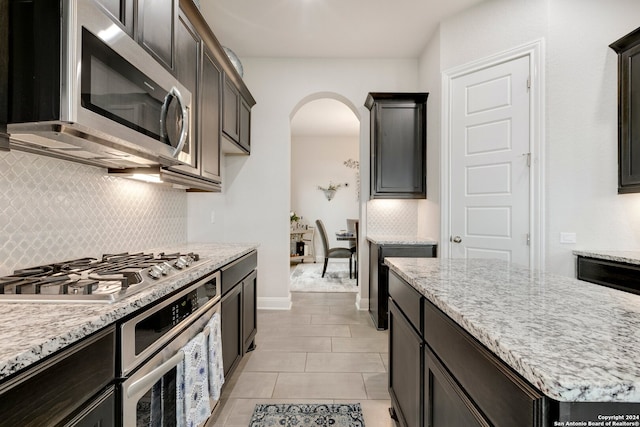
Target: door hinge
{"type": "Point", "coordinates": [528, 239]}
{"type": "Point", "coordinates": [528, 158]}
{"type": "Point", "coordinates": [528, 82]}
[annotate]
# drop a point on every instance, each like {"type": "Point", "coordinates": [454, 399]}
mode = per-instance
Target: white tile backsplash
{"type": "Point", "coordinates": [53, 210]}
{"type": "Point", "coordinates": [392, 217]}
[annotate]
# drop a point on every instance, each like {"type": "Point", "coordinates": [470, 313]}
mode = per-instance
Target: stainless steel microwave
{"type": "Point", "coordinates": [81, 88]}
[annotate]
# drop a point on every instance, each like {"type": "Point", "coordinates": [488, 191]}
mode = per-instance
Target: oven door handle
{"type": "Point", "coordinates": [145, 383]}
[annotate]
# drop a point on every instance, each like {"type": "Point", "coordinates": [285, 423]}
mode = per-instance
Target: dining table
{"type": "Point", "coordinates": [344, 235]}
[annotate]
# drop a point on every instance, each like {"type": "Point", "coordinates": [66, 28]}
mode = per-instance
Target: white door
{"type": "Point", "coordinates": [489, 163]}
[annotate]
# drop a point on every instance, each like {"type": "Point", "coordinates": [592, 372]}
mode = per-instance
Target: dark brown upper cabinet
{"type": "Point", "coordinates": [236, 119]}
{"type": "Point", "coordinates": [398, 145]}
{"type": "Point", "coordinates": [121, 11]}
{"type": "Point", "coordinates": [210, 116]}
{"type": "Point", "coordinates": [628, 50]}
{"type": "Point", "coordinates": [156, 25]}
{"type": "Point", "coordinates": [188, 45]}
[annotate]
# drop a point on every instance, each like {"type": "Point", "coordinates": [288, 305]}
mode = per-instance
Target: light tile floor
{"type": "Point", "coordinates": [323, 350]}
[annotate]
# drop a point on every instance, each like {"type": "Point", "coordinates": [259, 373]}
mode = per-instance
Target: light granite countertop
{"type": "Point", "coordinates": [629, 257]}
{"type": "Point", "coordinates": [389, 239]}
{"type": "Point", "coordinates": [573, 340]}
{"type": "Point", "coordinates": [31, 331]}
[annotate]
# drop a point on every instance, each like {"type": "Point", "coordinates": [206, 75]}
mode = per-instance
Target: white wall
{"type": "Point", "coordinates": [428, 224]}
{"type": "Point", "coordinates": [254, 205]}
{"type": "Point", "coordinates": [580, 109]}
{"type": "Point", "coordinates": [315, 161]}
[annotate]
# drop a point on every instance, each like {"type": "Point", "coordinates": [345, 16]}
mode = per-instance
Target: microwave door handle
{"type": "Point", "coordinates": [147, 381]}
{"type": "Point", "coordinates": [175, 93]}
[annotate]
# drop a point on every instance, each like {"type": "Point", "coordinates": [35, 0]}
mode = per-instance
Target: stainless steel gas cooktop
{"type": "Point", "coordinates": [107, 280]}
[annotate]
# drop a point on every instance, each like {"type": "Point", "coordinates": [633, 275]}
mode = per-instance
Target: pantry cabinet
{"type": "Point", "coordinates": [398, 145]}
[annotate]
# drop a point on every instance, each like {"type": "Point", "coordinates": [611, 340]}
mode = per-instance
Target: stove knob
{"type": "Point", "coordinates": [183, 262]}
{"type": "Point", "coordinates": [166, 268]}
{"type": "Point", "coordinates": [155, 271]}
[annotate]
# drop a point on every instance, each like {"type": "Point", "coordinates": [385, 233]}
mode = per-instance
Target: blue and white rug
{"type": "Point", "coordinates": [307, 277]}
{"type": "Point", "coordinates": [307, 415]}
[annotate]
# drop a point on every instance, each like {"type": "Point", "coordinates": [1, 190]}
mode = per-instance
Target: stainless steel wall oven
{"type": "Point", "coordinates": [151, 348]}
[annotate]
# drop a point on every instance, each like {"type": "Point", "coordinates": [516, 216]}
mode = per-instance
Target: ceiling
{"type": "Point", "coordinates": [327, 29]}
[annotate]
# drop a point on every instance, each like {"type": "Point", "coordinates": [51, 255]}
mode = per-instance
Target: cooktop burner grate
{"type": "Point", "coordinates": [108, 279]}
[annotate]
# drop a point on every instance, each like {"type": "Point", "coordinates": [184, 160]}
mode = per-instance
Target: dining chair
{"type": "Point", "coordinates": [338, 252]}
{"type": "Point", "coordinates": [352, 226]}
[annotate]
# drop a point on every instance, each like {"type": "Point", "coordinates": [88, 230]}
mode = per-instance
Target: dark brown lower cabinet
{"type": "Point", "coordinates": [447, 406]}
{"type": "Point", "coordinates": [71, 388]}
{"type": "Point", "coordinates": [249, 311]}
{"type": "Point", "coordinates": [379, 274]}
{"type": "Point", "coordinates": [440, 376]}
{"type": "Point", "coordinates": [230, 329]}
{"type": "Point", "coordinates": [614, 274]}
{"type": "Point", "coordinates": [406, 357]}
{"type": "Point", "coordinates": [239, 325]}
{"type": "Point", "coordinates": [99, 413]}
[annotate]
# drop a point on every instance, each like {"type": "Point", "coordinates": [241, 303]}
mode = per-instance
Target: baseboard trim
{"type": "Point", "coordinates": [362, 303]}
{"type": "Point", "coordinates": [272, 303]}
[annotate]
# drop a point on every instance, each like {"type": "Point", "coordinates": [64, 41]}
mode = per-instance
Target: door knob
{"type": "Point", "coordinates": [456, 239]}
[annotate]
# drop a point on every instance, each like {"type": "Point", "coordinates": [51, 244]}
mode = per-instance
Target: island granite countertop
{"type": "Point", "coordinates": [575, 341]}
{"type": "Point", "coordinates": [31, 331]}
{"type": "Point", "coordinates": [389, 239]}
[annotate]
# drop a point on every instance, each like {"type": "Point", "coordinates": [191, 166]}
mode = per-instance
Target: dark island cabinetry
{"type": "Point", "coordinates": [379, 274]}
{"type": "Point", "coordinates": [398, 145]}
{"type": "Point", "coordinates": [440, 376]}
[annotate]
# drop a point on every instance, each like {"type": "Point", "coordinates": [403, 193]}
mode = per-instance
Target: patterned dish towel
{"type": "Point", "coordinates": [192, 386]}
{"type": "Point", "coordinates": [216, 369]}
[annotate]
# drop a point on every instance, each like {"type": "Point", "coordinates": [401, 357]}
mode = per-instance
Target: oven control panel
{"type": "Point", "coordinates": [181, 309]}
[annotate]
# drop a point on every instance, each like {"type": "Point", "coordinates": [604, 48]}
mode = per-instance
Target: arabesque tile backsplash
{"type": "Point", "coordinates": [392, 217]}
{"type": "Point", "coordinates": [53, 210]}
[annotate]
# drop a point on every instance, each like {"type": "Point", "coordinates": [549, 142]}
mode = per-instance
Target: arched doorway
{"type": "Point", "coordinates": [325, 185]}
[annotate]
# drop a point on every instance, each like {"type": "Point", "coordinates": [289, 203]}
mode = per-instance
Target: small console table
{"type": "Point", "coordinates": [304, 236]}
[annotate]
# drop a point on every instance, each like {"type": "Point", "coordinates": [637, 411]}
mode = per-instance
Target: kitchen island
{"type": "Point", "coordinates": [509, 346]}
